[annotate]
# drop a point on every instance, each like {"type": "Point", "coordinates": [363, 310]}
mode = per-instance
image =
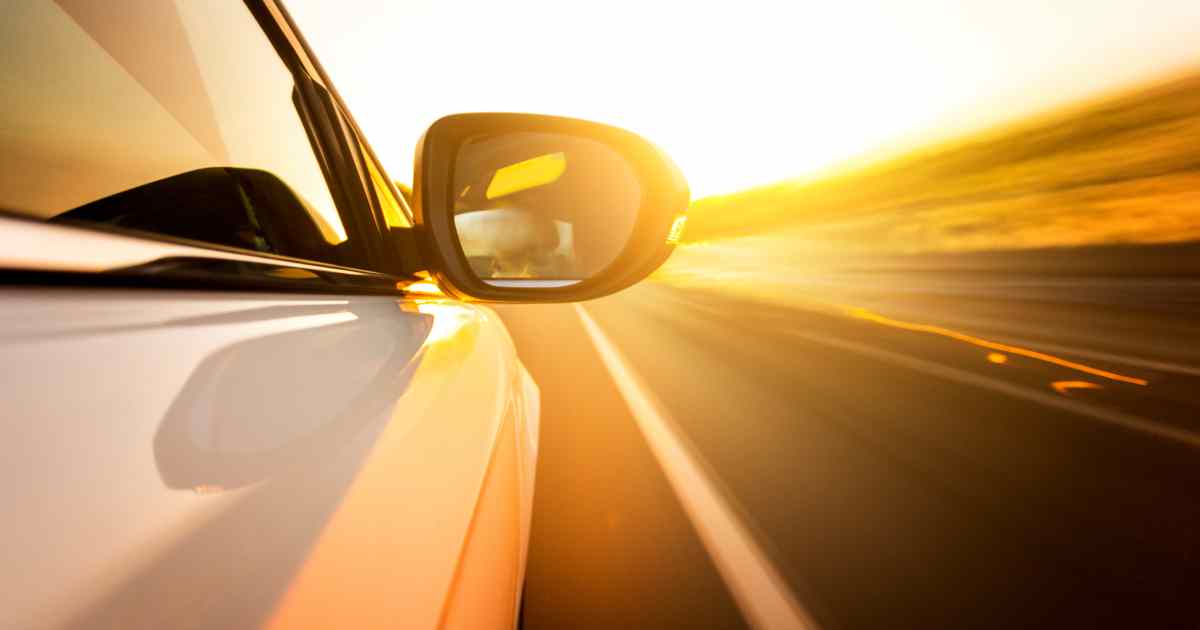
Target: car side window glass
{"type": "Point", "coordinates": [172, 117]}
{"type": "Point", "coordinates": [394, 214]}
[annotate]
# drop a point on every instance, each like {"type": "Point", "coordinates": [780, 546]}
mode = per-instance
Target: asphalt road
{"type": "Point", "coordinates": [1004, 458]}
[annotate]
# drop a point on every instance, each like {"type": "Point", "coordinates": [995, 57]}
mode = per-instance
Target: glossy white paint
{"type": "Point", "coordinates": [202, 459]}
{"type": "Point", "coordinates": [56, 247]}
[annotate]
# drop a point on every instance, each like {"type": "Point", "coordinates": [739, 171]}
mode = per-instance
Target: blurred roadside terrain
{"type": "Point", "coordinates": [1109, 186]}
{"type": "Point", "coordinates": [954, 387]}
{"type": "Point", "coordinates": [1077, 231]}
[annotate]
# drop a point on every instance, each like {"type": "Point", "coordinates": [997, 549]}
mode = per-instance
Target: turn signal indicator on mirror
{"type": "Point", "coordinates": [676, 233]}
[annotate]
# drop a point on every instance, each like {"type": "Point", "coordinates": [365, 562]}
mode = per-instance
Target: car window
{"type": "Point", "coordinates": [177, 118]}
{"type": "Point", "coordinates": [390, 203]}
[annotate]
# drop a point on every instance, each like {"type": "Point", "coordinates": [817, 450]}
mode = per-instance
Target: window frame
{"type": "Point", "coordinates": [338, 147]}
{"type": "Point", "coordinates": [393, 249]}
{"type": "Point", "coordinates": [330, 133]}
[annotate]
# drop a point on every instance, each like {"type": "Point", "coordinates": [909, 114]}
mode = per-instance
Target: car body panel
{"type": "Point", "coordinates": [228, 459]}
{"type": "Point", "coordinates": [213, 430]}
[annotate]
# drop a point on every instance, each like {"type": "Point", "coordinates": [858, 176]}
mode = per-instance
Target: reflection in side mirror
{"type": "Point", "coordinates": [542, 207]}
{"type": "Point", "coordinates": [533, 208]}
{"type": "Point", "coordinates": [506, 244]}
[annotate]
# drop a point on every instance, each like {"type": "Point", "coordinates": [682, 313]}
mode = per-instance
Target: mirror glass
{"type": "Point", "coordinates": [542, 209]}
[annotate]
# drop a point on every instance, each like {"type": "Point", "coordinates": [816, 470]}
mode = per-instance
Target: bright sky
{"type": "Point", "coordinates": [739, 93]}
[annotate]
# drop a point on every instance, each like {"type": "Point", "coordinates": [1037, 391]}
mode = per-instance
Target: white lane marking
{"type": "Point", "coordinates": [757, 586]}
{"type": "Point", "coordinates": [1118, 418]}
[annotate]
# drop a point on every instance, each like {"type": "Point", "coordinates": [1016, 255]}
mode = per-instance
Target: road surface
{"type": "Point", "coordinates": [1013, 456]}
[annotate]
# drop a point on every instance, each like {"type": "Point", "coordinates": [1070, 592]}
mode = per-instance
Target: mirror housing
{"type": "Point", "coordinates": [516, 175]}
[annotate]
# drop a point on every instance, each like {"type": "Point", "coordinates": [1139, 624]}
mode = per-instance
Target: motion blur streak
{"type": "Point", "coordinates": [1063, 387]}
{"type": "Point", "coordinates": [1128, 421]}
{"type": "Point", "coordinates": [862, 313]}
{"type": "Point", "coordinates": [757, 586]}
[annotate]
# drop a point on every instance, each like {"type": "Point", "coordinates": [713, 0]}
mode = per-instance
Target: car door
{"type": "Point", "coordinates": [216, 413]}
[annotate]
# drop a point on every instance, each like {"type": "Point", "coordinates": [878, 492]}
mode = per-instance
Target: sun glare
{"type": "Point", "coordinates": [742, 93]}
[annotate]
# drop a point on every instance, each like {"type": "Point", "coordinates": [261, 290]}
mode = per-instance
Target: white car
{"type": "Point", "coordinates": [244, 384]}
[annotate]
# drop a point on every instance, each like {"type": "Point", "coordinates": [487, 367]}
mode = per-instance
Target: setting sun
{"type": "Point", "coordinates": [740, 94]}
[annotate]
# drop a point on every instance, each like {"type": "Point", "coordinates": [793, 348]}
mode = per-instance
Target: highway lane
{"type": "Point", "coordinates": [904, 460]}
{"type": "Point", "coordinates": [611, 546]}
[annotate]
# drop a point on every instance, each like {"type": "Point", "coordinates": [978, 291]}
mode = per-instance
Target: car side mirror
{"type": "Point", "coordinates": [528, 208]}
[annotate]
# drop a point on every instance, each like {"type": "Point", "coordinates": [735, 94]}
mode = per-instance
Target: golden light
{"type": "Point", "coordinates": [531, 173]}
{"type": "Point", "coordinates": [675, 235]}
{"type": "Point", "coordinates": [1063, 387]}
{"type": "Point", "coordinates": [420, 288]}
{"type": "Point", "coordinates": [866, 315]}
{"type": "Point", "coordinates": [742, 93]}
{"type": "Point", "coordinates": [450, 319]}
